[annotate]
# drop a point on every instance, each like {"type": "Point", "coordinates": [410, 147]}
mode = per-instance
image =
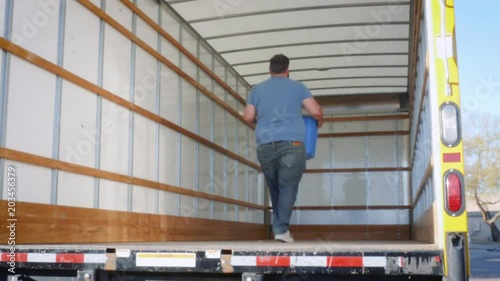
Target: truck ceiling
{"type": "Point", "coordinates": [336, 48]}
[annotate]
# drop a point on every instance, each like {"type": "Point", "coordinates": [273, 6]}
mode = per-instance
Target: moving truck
{"type": "Point", "coordinates": [124, 154]}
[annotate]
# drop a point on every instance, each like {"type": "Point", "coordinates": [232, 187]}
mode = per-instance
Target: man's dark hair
{"type": "Point", "coordinates": [278, 64]}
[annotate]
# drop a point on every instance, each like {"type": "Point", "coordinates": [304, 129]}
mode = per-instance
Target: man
{"type": "Point", "coordinates": [275, 105]}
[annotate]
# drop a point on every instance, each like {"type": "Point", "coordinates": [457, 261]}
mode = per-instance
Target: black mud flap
{"type": "Point", "coordinates": [456, 257]}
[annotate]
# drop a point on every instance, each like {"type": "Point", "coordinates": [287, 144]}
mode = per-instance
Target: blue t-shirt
{"type": "Point", "coordinates": [278, 102]}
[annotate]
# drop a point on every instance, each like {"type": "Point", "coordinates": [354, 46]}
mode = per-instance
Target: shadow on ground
{"type": "Point", "coordinates": [485, 262]}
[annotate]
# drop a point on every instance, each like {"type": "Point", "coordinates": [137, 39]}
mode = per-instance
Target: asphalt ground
{"type": "Point", "coordinates": [485, 262]}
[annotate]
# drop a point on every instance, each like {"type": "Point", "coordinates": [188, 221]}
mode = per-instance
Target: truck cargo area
{"type": "Point", "coordinates": [123, 147]}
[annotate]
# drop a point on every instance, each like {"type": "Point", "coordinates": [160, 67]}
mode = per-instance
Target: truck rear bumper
{"type": "Point", "coordinates": [261, 257]}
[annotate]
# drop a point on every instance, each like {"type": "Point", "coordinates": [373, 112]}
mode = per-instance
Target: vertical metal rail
{"type": "Point", "coordinates": [212, 139]}
{"type": "Point", "coordinates": [237, 164]}
{"type": "Point", "coordinates": [247, 174]}
{"type": "Point", "coordinates": [56, 130]}
{"type": "Point", "coordinates": [158, 112]}
{"type": "Point", "coordinates": [367, 179]}
{"type": "Point", "coordinates": [131, 114]}
{"type": "Point", "coordinates": [397, 185]}
{"type": "Point", "coordinates": [4, 83]}
{"type": "Point", "coordinates": [226, 124]}
{"type": "Point", "coordinates": [179, 120]}
{"type": "Point", "coordinates": [247, 169]}
{"type": "Point", "coordinates": [196, 201]}
{"type": "Point", "coordinates": [100, 76]}
{"type": "Point", "coordinates": [332, 163]}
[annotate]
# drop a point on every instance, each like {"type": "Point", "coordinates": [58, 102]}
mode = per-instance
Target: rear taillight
{"type": "Point", "coordinates": [454, 195]}
{"type": "Point", "coordinates": [450, 124]}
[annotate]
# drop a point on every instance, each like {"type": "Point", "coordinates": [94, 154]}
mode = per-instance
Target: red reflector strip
{"type": "Point", "coordinates": [454, 192]}
{"type": "Point", "coordinates": [452, 157]}
{"type": "Point", "coordinates": [70, 258]}
{"type": "Point", "coordinates": [345, 262]}
{"type": "Point", "coordinates": [273, 261]}
{"type": "Point", "coordinates": [53, 258]}
{"type": "Point", "coordinates": [17, 257]}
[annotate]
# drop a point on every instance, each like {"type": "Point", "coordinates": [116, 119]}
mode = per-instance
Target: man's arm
{"type": "Point", "coordinates": [312, 106]}
{"type": "Point", "coordinates": [249, 114]}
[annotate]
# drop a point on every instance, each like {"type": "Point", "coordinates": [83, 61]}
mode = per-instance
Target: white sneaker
{"type": "Point", "coordinates": [285, 237]}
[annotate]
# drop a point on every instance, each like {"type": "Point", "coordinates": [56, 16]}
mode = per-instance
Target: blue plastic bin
{"type": "Point", "coordinates": [311, 136]}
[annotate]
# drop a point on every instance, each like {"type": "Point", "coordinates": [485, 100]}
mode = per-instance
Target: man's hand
{"type": "Point", "coordinates": [313, 108]}
{"type": "Point", "coordinates": [249, 114]}
{"type": "Point", "coordinates": [320, 123]}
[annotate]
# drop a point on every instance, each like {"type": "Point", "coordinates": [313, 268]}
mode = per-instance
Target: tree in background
{"type": "Point", "coordinates": [482, 160]}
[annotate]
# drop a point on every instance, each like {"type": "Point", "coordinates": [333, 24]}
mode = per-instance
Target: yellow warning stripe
{"type": "Point", "coordinates": [447, 73]}
{"type": "Point", "coordinates": [451, 223]}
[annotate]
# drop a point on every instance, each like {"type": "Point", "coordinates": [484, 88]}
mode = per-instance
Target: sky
{"type": "Point", "coordinates": [478, 52]}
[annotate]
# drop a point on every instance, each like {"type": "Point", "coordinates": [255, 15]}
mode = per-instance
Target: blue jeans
{"type": "Point", "coordinates": [283, 164]}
